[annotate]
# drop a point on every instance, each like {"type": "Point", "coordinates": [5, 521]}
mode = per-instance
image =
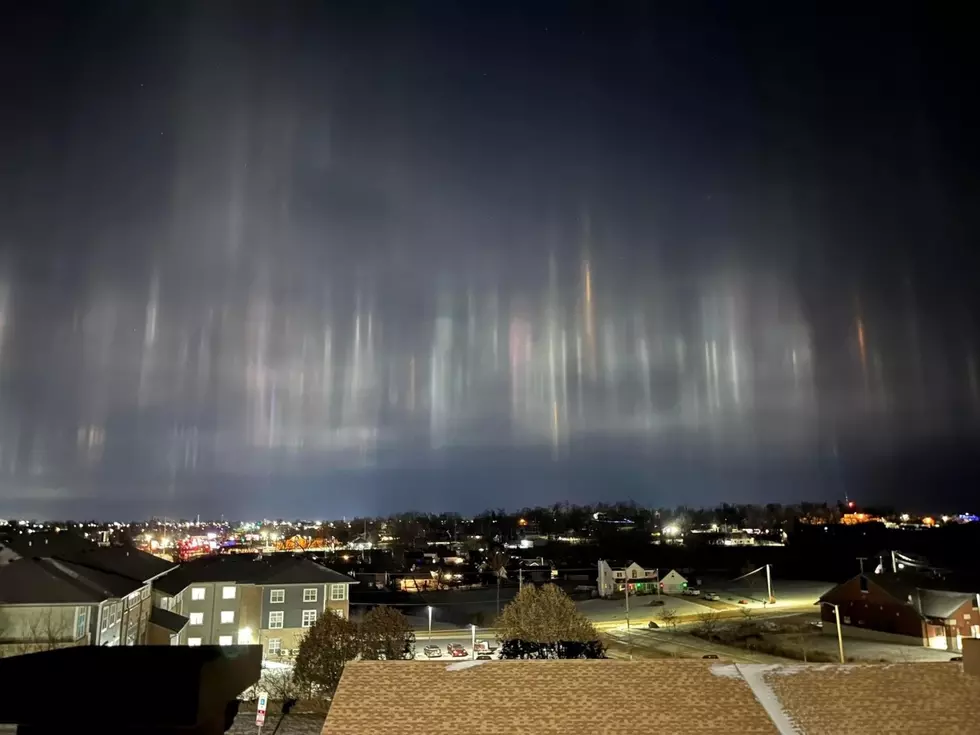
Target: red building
{"type": "Point", "coordinates": [891, 607]}
{"type": "Point", "coordinates": [885, 606]}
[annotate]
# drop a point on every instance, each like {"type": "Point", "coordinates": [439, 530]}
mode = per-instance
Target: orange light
{"type": "Point", "coordinates": [928, 521]}
{"type": "Point", "coordinates": [850, 504]}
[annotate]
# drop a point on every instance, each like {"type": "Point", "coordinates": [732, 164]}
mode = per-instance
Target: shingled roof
{"type": "Point", "coordinates": [611, 697]}
{"type": "Point", "coordinates": [250, 569]}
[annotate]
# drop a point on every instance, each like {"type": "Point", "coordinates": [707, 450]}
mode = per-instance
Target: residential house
{"type": "Point", "coordinates": [614, 576]}
{"type": "Point", "coordinates": [240, 599]}
{"type": "Point", "coordinates": [673, 583]}
{"type": "Point", "coordinates": [59, 590]}
{"type": "Point", "coordinates": [571, 696]}
{"type": "Point", "coordinates": [418, 580]}
{"type": "Point", "coordinates": [896, 607]}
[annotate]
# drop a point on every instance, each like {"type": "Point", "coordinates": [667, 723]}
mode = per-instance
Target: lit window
{"type": "Point", "coordinates": [227, 616]}
{"type": "Point", "coordinates": [277, 597]}
{"type": "Point", "coordinates": [193, 641]}
{"type": "Point", "coordinates": [197, 593]}
{"type": "Point", "coordinates": [338, 611]}
{"type": "Point", "coordinates": [274, 646]}
{"type": "Point", "coordinates": [309, 594]}
{"type": "Point", "coordinates": [338, 592]}
{"type": "Point", "coordinates": [227, 593]}
{"type": "Point", "coordinates": [275, 620]}
{"type": "Point", "coordinates": [309, 617]}
{"type": "Point", "coordinates": [225, 640]}
{"type": "Point", "coordinates": [633, 573]}
{"type": "Point", "coordinates": [196, 618]}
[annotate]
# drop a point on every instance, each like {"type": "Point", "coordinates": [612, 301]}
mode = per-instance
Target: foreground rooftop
{"type": "Point", "coordinates": [609, 697]}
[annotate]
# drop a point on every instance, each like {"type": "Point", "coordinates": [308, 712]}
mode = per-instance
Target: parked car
{"type": "Point", "coordinates": [452, 647]}
{"type": "Point", "coordinates": [484, 657]}
{"type": "Point", "coordinates": [432, 651]}
{"type": "Point", "coordinates": [692, 591]}
{"type": "Point", "coordinates": [459, 653]}
{"type": "Point", "coordinates": [711, 596]}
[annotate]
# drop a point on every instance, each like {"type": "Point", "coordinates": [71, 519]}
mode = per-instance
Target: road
{"type": "Point", "coordinates": [646, 643]}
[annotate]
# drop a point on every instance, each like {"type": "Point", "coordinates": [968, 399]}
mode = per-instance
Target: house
{"type": "Point", "coordinates": [418, 580]}
{"type": "Point", "coordinates": [60, 590]}
{"type": "Point", "coordinates": [235, 599]}
{"type": "Point", "coordinates": [895, 607]}
{"type": "Point", "coordinates": [673, 583]}
{"type": "Point", "coordinates": [614, 576]}
{"type": "Point", "coordinates": [572, 696]}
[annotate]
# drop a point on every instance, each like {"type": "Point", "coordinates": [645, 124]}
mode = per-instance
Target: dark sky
{"type": "Point", "coordinates": [282, 258]}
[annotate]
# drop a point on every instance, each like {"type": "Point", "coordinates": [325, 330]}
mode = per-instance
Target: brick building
{"type": "Point", "coordinates": [893, 607]}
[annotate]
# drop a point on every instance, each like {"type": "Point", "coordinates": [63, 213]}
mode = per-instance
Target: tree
{"type": "Point", "coordinates": [708, 623]}
{"type": "Point", "coordinates": [326, 648]}
{"type": "Point", "coordinates": [386, 635]}
{"type": "Point", "coordinates": [496, 562]}
{"type": "Point", "coordinates": [669, 617]}
{"type": "Point", "coordinates": [544, 615]}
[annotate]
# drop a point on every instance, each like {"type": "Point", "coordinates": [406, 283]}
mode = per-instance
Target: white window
{"type": "Point", "coordinates": [338, 592]}
{"type": "Point", "coordinates": [275, 620]}
{"type": "Point", "coordinates": [193, 641]}
{"type": "Point", "coordinates": [196, 618]}
{"type": "Point", "coordinates": [225, 640]}
{"type": "Point", "coordinates": [197, 593]}
{"type": "Point", "coordinates": [227, 593]}
{"type": "Point", "coordinates": [309, 617]}
{"type": "Point", "coordinates": [227, 616]}
{"type": "Point", "coordinates": [274, 646]}
{"type": "Point", "coordinates": [277, 597]}
{"type": "Point", "coordinates": [309, 594]}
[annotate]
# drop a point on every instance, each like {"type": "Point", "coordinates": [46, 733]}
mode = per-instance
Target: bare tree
{"type": "Point", "coordinates": [669, 617]}
{"type": "Point", "coordinates": [45, 631]}
{"type": "Point", "coordinates": [707, 623]}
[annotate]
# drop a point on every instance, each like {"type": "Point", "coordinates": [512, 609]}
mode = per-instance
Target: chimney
{"type": "Point", "coordinates": [971, 656]}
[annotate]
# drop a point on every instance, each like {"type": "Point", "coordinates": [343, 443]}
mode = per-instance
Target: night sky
{"type": "Point", "coordinates": [321, 259]}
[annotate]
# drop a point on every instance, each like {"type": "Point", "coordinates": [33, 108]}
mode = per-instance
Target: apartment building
{"type": "Point", "coordinates": [59, 590]}
{"type": "Point", "coordinates": [242, 599]}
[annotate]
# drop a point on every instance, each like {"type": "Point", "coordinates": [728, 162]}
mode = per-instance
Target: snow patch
{"type": "Point", "coordinates": [754, 676]}
{"type": "Point", "coordinates": [729, 671]}
{"type": "Point", "coordinates": [461, 665]}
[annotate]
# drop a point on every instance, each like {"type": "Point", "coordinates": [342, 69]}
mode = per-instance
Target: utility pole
{"type": "Point", "coordinates": [840, 636]}
{"type": "Point", "coordinates": [772, 599]}
{"type": "Point", "coordinates": [894, 563]}
{"type": "Point", "coordinates": [861, 560]}
{"type": "Point", "coordinates": [629, 637]}
{"type": "Point", "coordinates": [520, 580]}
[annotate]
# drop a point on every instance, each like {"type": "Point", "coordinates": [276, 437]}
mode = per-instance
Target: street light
{"type": "Point", "coordinates": [430, 623]}
{"type": "Point", "coordinates": [840, 637]}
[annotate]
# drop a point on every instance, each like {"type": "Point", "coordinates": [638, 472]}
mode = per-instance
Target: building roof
{"type": "Point", "coordinates": [270, 569]}
{"type": "Point", "coordinates": [33, 581]}
{"type": "Point", "coordinates": [929, 603]}
{"type": "Point", "coordinates": [702, 697]}
{"type": "Point", "coordinates": [126, 561]}
{"type": "Point", "coordinates": [167, 620]}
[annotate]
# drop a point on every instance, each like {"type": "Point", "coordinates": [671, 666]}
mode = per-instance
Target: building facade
{"type": "Point", "coordinates": [889, 607]}
{"type": "Point", "coordinates": [615, 576]}
{"type": "Point", "coordinates": [244, 600]}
